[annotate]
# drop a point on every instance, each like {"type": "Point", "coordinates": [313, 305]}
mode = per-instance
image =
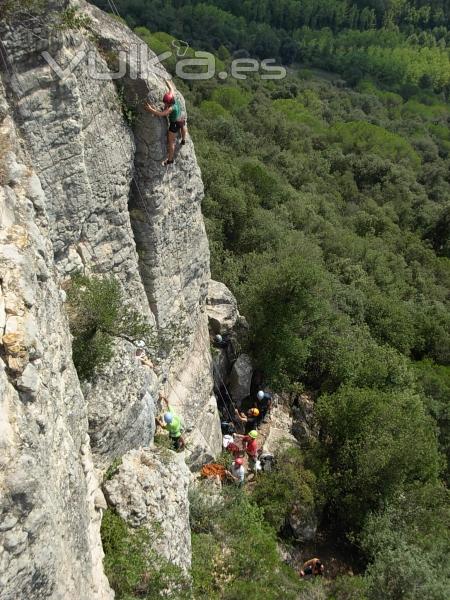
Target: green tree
{"type": "Point", "coordinates": [287, 485]}
{"type": "Point", "coordinates": [408, 545]}
{"type": "Point", "coordinates": [134, 569]}
{"type": "Point", "coordinates": [373, 443]}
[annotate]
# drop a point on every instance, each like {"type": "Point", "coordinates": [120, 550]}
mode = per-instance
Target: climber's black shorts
{"type": "Point", "coordinates": [175, 126]}
{"type": "Point", "coordinates": [176, 442]}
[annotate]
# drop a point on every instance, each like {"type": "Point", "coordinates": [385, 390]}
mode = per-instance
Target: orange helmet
{"type": "Point", "coordinates": [254, 412]}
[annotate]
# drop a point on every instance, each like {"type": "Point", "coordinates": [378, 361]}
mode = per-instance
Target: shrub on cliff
{"type": "Point", "coordinates": [98, 314]}
{"type": "Point", "coordinates": [133, 569]}
{"type": "Point", "coordinates": [242, 560]}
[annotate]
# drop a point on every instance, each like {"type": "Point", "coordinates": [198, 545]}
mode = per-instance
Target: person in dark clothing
{"type": "Point", "coordinates": [264, 404]}
{"type": "Point", "coordinates": [248, 419]}
{"type": "Point", "coordinates": [227, 428]}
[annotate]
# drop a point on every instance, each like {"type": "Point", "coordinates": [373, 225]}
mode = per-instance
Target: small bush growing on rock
{"type": "Point", "coordinates": [133, 568]}
{"type": "Point", "coordinates": [225, 459]}
{"type": "Point", "coordinates": [129, 111]}
{"type": "Point", "coordinates": [112, 469]}
{"type": "Point", "coordinates": [162, 440]}
{"type": "Point", "coordinates": [204, 508]}
{"type": "Point", "coordinates": [71, 18]}
{"type": "Point", "coordinates": [97, 314]}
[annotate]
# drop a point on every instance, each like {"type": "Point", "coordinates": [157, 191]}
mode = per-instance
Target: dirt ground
{"type": "Point", "coordinates": [336, 558]}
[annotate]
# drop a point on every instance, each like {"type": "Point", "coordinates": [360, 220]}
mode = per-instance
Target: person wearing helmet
{"type": "Point", "coordinates": [221, 341]}
{"type": "Point", "coordinates": [264, 404]}
{"type": "Point", "coordinates": [237, 471]}
{"type": "Point", "coordinates": [177, 124]}
{"type": "Point", "coordinates": [173, 423]}
{"type": "Point", "coordinates": [251, 447]}
{"type": "Point", "coordinates": [249, 419]}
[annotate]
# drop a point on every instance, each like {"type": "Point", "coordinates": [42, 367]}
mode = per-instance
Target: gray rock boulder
{"type": "Point", "coordinates": [221, 307]}
{"type": "Point", "coordinates": [303, 522]}
{"type": "Point", "coordinates": [278, 439]}
{"type": "Point", "coordinates": [304, 425]}
{"type": "Point", "coordinates": [117, 424]}
{"type": "Point", "coordinates": [241, 378]}
{"type": "Point", "coordinates": [278, 430]}
{"type": "Point", "coordinates": [150, 490]}
{"type": "Point", "coordinates": [224, 319]}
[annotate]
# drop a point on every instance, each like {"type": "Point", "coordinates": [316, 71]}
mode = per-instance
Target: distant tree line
{"type": "Point", "coordinates": [353, 38]}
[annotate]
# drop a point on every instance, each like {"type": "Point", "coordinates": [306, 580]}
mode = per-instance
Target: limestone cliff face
{"type": "Point", "coordinates": [50, 501]}
{"type": "Point", "coordinates": [83, 192]}
{"type": "Point", "coordinates": [169, 232]}
{"type": "Point", "coordinates": [150, 490]}
{"type": "Point", "coordinates": [92, 168]}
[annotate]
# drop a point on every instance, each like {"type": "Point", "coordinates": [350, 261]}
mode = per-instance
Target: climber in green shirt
{"type": "Point", "coordinates": [173, 423]}
{"type": "Point", "coordinates": [177, 124]}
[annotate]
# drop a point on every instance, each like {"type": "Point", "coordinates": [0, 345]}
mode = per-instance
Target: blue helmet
{"type": "Point", "coordinates": [168, 417]}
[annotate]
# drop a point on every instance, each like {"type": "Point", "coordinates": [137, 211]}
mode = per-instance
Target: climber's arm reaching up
{"type": "Point", "coordinates": [158, 113]}
{"type": "Point", "coordinates": [171, 86]}
{"type": "Point", "coordinates": [161, 113]}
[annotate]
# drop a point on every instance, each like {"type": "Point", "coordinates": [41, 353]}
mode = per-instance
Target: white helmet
{"type": "Point", "coordinates": [260, 395]}
{"type": "Point", "coordinates": [218, 338]}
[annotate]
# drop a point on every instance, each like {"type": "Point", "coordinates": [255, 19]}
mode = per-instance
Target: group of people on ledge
{"type": "Point", "coordinates": [239, 437]}
{"type": "Point", "coordinates": [243, 447]}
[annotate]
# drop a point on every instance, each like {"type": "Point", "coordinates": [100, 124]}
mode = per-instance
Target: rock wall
{"type": "Point", "coordinates": [82, 192]}
{"type": "Point", "coordinates": [165, 211]}
{"type": "Point", "coordinates": [50, 501]}
{"type": "Point", "coordinates": [92, 166]}
{"type": "Point", "coordinates": [150, 489]}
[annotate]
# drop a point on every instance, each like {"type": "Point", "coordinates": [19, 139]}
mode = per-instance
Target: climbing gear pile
{"type": "Point", "coordinates": [213, 470]}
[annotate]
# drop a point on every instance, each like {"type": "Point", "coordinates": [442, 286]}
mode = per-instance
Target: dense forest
{"type": "Point", "coordinates": [328, 213]}
{"type": "Point", "coordinates": [400, 42]}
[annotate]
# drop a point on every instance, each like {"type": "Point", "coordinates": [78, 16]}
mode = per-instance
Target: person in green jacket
{"type": "Point", "coordinates": [177, 124]}
{"type": "Point", "coordinates": [173, 423]}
